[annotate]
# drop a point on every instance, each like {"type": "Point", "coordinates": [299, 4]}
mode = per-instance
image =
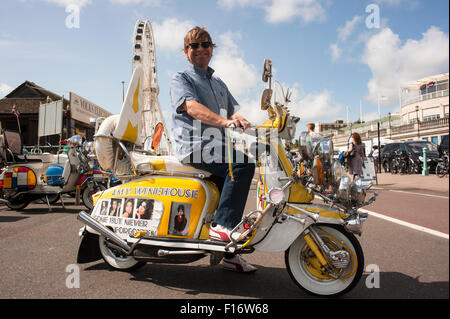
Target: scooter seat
{"type": "Point", "coordinates": [162, 163]}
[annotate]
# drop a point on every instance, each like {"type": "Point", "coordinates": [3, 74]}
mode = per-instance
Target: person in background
{"type": "Point", "coordinates": [375, 155]}
{"type": "Point", "coordinates": [314, 136]}
{"type": "Point", "coordinates": [356, 155]}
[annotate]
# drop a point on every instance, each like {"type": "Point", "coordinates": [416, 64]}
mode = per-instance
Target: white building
{"type": "Point", "coordinates": [426, 100]}
{"type": "Point", "coordinates": [424, 115]}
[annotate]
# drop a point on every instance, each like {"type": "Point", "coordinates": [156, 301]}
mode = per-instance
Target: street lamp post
{"type": "Point", "coordinates": [123, 92]}
{"type": "Point", "coordinates": [378, 130]}
{"type": "Point", "coordinates": [390, 128]}
{"type": "Point", "coordinates": [379, 147]}
{"type": "Point", "coordinates": [418, 122]}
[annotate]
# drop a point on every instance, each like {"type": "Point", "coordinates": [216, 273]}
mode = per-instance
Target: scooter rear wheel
{"type": "Point", "coordinates": [303, 266]}
{"type": "Point", "coordinates": [17, 205]}
{"type": "Point", "coordinates": [115, 260]}
{"type": "Point", "coordinates": [87, 192]}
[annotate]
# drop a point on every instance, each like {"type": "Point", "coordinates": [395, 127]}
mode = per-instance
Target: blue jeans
{"type": "Point", "coordinates": [236, 186]}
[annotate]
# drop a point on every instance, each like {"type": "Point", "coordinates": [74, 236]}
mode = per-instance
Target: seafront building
{"type": "Point", "coordinates": [424, 115]}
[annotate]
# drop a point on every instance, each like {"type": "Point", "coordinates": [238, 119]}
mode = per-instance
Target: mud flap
{"type": "Point", "coordinates": [89, 249]}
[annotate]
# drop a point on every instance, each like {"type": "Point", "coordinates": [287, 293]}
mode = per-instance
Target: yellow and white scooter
{"type": "Point", "coordinates": [163, 210]}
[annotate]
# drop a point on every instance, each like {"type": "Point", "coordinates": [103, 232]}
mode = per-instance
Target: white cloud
{"type": "Point", "coordinates": [241, 3]}
{"type": "Point", "coordinates": [394, 64]}
{"type": "Point", "coordinates": [231, 67]}
{"type": "Point", "coordinates": [335, 51]}
{"type": "Point", "coordinates": [65, 3]}
{"type": "Point", "coordinates": [251, 110]}
{"type": "Point", "coordinates": [278, 11]}
{"type": "Point", "coordinates": [169, 35]}
{"type": "Point", "coordinates": [286, 10]}
{"type": "Point", "coordinates": [345, 31]}
{"type": "Point", "coordinates": [391, 2]}
{"type": "Point", "coordinates": [244, 83]}
{"type": "Point", "coordinates": [134, 2]}
{"type": "Point", "coordinates": [5, 89]}
{"type": "Point", "coordinates": [314, 107]}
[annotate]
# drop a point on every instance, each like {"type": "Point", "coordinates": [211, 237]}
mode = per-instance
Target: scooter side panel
{"type": "Point", "coordinates": [178, 206]}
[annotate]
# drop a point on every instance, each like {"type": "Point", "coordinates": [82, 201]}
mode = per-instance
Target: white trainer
{"type": "Point", "coordinates": [238, 264]}
{"type": "Point", "coordinates": [222, 233]}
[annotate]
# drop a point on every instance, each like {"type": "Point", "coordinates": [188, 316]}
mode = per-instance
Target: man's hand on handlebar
{"type": "Point", "coordinates": [238, 121]}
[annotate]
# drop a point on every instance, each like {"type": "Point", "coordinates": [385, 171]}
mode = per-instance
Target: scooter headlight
{"type": "Point", "coordinates": [344, 188]}
{"type": "Point", "coordinates": [88, 147]}
{"type": "Point", "coordinates": [75, 141]}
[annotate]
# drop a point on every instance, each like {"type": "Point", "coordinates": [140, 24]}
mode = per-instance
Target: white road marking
{"type": "Point", "coordinates": [406, 192]}
{"type": "Point", "coordinates": [406, 224]}
{"type": "Point", "coordinates": [403, 223]}
{"type": "Point", "coordinates": [421, 194]}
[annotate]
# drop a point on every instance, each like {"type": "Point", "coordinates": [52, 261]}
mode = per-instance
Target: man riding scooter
{"type": "Point", "coordinates": [202, 104]}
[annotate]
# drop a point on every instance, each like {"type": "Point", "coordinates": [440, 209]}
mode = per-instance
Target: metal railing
{"type": "Point", "coordinates": [422, 125]}
{"type": "Point", "coordinates": [428, 96]}
{"type": "Point", "coordinates": [403, 128]}
{"type": "Point", "coordinates": [434, 123]}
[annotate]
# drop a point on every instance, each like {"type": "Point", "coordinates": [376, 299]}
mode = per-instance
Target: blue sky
{"type": "Point", "coordinates": [326, 51]}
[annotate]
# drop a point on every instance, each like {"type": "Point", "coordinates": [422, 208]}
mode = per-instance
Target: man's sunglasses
{"type": "Point", "coordinates": [195, 45]}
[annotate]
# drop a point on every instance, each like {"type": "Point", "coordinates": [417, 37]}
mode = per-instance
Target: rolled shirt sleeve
{"type": "Point", "coordinates": [181, 89]}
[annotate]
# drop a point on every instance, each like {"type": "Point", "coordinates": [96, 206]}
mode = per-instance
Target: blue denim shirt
{"type": "Point", "coordinates": [198, 84]}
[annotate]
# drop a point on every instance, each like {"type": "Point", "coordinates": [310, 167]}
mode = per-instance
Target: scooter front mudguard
{"type": "Point", "coordinates": [282, 234]}
{"type": "Point", "coordinates": [89, 249]}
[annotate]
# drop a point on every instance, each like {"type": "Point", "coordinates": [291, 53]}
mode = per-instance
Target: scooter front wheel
{"type": "Point", "coordinates": [117, 260]}
{"type": "Point", "coordinates": [305, 269]}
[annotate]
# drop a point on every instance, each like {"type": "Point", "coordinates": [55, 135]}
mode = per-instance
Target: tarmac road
{"type": "Point", "coordinates": [38, 257]}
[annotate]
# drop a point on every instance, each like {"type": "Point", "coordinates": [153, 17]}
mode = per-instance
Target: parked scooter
{"type": "Point", "coordinates": [23, 179]}
{"type": "Point", "coordinates": [134, 223]}
{"type": "Point", "coordinates": [88, 183]}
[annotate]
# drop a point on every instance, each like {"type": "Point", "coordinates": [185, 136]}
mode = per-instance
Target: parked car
{"type": "Point", "coordinates": [414, 149]}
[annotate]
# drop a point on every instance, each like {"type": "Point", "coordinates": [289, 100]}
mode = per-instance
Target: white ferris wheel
{"type": "Point", "coordinates": [144, 54]}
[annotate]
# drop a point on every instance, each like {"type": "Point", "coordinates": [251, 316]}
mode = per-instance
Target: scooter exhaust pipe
{"type": "Point", "coordinates": [95, 225]}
